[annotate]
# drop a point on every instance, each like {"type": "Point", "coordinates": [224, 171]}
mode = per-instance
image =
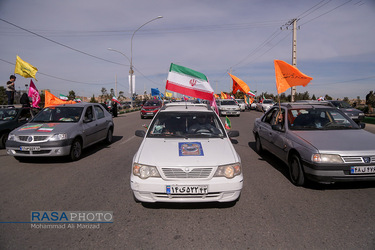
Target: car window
{"type": "Point", "coordinates": [89, 114]}
{"type": "Point", "coordinates": [319, 119]}
{"type": "Point", "coordinates": [7, 114]}
{"type": "Point", "coordinates": [59, 114]}
{"type": "Point", "coordinates": [188, 125]}
{"type": "Point", "coordinates": [99, 112]}
{"type": "Point", "coordinates": [228, 102]}
{"type": "Point", "coordinates": [25, 115]}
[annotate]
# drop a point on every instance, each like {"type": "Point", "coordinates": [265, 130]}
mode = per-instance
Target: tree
{"type": "Point", "coordinates": [72, 95]}
{"type": "Point", "coordinates": [3, 96]}
{"type": "Point", "coordinates": [93, 100]}
{"type": "Point", "coordinates": [327, 97]}
{"type": "Point", "coordinates": [346, 99]}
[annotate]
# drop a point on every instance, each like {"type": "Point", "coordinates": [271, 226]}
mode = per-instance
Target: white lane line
{"type": "Point", "coordinates": [129, 139]}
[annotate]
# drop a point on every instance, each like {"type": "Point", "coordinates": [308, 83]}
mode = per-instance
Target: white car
{"type": "Point", "coordinates": [186, 156]}
{"type": "Point", "coordinates": [266, 104]}
{"type": "Point", "coordinates": [241, 104]}
{"type": "Point", "coordinates": [228, 107]}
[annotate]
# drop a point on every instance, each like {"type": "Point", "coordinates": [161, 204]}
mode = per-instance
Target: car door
{"type": "Point", "coordinates": [90, 126]}
{"type": "Point", "coordinates": [102, 122]}
{"type": "Point", "coordinates": [265, 131]}
{"type": "Point", "coordinates": [276, 137]}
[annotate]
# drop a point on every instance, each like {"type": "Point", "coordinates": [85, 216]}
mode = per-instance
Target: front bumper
{"type": "Point", "coordinates": [230, 112]}
{"type": "Point", "coordinates": [47, 149]}
{"type": "Point", "coordinates": [220, 189]}
{"type": "Point", "coordinates": [334, 173]}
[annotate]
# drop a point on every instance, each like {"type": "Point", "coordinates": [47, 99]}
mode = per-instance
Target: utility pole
{"type": "Point", "coordinates": [294, 50]}
{"type": "Point", "coordinates": [230, 84]}
{"type": "Point", "coordinates": [116, 86]}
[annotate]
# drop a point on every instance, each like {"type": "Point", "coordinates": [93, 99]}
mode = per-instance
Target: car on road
{"type": "Point", "coordinates": [186, 156]}
{"type": "Point", "coordinates": [355, 114]}
{"type": "Point", "coordinates": [11, 118]}
{"type": "Point", "coordinates": [241, 104]}
{"type": "Point", "coordinates": [317, 142]}
{"type": "Point", "coordinates": [228, 107]}
{"type": "Point", "coordinates": [63, 130]}
{"type": "Point", "coordinates": [150, 108]}
{"type": "Point", "coordinates": [265, 105]}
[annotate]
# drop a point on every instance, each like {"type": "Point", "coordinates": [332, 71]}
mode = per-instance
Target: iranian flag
{"type": "Point", "coordinates": [189, 82]}
{"type": "Point", "coordinates": [228, 125]}
{"type": "Point", "coordinates": [114, 99]}
{"type": "Point", "coordinates": [63, 97]}
{"type": "Point", "coordinates": [251, 93]}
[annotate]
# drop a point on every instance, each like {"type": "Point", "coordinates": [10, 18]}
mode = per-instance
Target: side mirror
{"type": "Point", "coordinates": [233, 133]}
{"type": "Point", "coordinates": [277, 127]}
{"type": "Point", "coordinates": [140, 133]}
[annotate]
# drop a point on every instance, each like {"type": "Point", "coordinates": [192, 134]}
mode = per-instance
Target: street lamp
{"type": "Point", "coordinates": [131, 71]}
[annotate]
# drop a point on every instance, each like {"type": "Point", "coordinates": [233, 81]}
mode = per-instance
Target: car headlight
{"type": "Point", "coordinates": [228, 171]}
{"type": "Point", "coordinates": [11, 137]}
{"type": "Point", "coordinates": [144, 171]}
{"type": "Point", "coordinates": [326, 158]}
{"type": "Point", "coordinates": [58, 137]}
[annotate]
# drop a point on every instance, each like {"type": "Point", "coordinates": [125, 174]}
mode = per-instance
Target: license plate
{"type": "Point", "coordinates": [362, 170]}
{"type": "Point", "coordinates": [177, 189]}
{"type": "Point", "coordinates": [30, 148]}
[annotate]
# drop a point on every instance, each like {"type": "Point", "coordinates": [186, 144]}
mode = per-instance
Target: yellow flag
{"type": "Point", "coordinates": [25, 69]}
{"type": "Point", "coordinates": [168, 94]}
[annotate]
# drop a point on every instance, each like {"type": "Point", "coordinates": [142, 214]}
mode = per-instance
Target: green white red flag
{"type": "Point", "coordinates": [227, 124]}
{"type": "Point", "coordinates": [189, 82]}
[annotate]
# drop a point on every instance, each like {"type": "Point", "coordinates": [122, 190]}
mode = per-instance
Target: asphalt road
{"type": "Point", "coordinates": [272, 213]}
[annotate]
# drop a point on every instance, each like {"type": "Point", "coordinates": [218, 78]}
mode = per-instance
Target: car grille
{"type": "Point", "coordinates": [187, 196]}
{"type": "Point", "coordinates": [32, 138]}
{"type": "Point", "coordinates": [180, 173]}
{"type": "Point", "coordinates": [358, 159]}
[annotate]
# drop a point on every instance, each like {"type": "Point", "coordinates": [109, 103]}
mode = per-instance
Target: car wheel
{"type": "Point", "coordinates": [3, 139]}
{"type": "Point", "coordinates": [258, 145]}
{"type": "Point", "coordinates": [75, 150]}
{"type": "Point", "coordinates": [296, 174]}
{"type": "Point", "coordinates": [108, 139]}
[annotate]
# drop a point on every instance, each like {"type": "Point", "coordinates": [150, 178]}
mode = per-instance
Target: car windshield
{"type": "Point", "coordinates": [267, 102]}
{"type": "Point", "coordinates": [319, 119]}
{"type": "Point", "coordinates": [186, 125]}
{"type": "Point", "coordinates": [228, 102]}
{"type": "Point", "coordinates": [152, 103]}
{"type": "Point", "coordinates": [8, 114]}
{"type": "Point", "coordinates": [343, 105]}
{"type": "Point", "coordinates": [59, 114]}
{"type": "Point", "coordinates": [240, 101]}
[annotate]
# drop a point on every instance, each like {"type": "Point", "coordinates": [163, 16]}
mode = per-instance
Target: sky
{"type": "Point", "coordinates": [68, 42]}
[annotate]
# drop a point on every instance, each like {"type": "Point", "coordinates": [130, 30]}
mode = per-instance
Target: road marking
{"type": "Point", "coordinates": [129, 139]}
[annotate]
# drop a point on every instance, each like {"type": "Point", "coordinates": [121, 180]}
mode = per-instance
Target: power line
{"type": "Point", "coordinates": [58, 43]}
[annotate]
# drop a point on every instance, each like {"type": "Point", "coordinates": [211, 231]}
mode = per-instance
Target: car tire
{"type": "Point", "coordinates": [258, 145]}
{"type": "Point", "coordinates": [296, 174]}
{"type": "Point", "coordinates": [75, 150]}
{"type": "Point", "coordinates": [3, 139]}
{"type": "Point", "coordinates": [108, 139]}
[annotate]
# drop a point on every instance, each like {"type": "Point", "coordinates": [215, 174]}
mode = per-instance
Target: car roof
{"type": "Point", "coordinates": [307, 104]}
{"type": "Point", "coordinates": [75, 105]}
{"type": "Point", "coordinates": [185, 107]}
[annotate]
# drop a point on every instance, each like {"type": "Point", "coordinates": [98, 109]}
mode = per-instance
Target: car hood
{"type": "Point", "coordinates": [42, 128]}
{"type": "Point", "coordinates": [339, 140]}
{"type": "Point", "coordinates": [169, 152]}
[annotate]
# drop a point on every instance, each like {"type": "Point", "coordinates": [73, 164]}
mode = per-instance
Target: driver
{"type": "Point", "coordinates": [203, 124]}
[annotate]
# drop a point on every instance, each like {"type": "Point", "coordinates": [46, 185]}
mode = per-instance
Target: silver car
{"type": "Point", "coordinates": [62, 130]}
{"type": "Point", "coordinates": [317, 142]}
{"type": "Point", "coordinates": [228, 107]}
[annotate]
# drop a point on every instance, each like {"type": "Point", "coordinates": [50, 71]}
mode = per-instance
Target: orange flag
{"type": "Point", "coordinates": [51, 100]}
{"type": "Point", "coordinates": [288, 76]}
{"type": "Point", "coordinates": [240, 85]}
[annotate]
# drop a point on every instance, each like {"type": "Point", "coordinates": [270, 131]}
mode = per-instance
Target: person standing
{"type": "Point", "coordinates": [11, 89]}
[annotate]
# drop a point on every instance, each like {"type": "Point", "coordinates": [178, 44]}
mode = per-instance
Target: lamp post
{"type": "Point", "coordinates": [131, 71]}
